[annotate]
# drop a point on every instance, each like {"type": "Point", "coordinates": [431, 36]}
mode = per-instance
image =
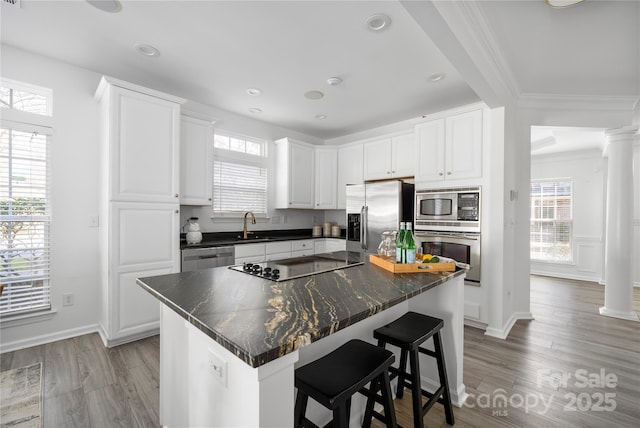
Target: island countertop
{"type": "Point", "coordinates": [260, 320]}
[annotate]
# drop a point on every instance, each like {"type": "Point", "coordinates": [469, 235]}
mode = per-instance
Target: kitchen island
{"type": "Point", "coordinates": [229, 341]}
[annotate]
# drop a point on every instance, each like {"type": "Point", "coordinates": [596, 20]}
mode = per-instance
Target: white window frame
{"type": "Point", "coordinates": [250, 160]}
{"type": "Point", "coordinates": [554, 222]}
{"type": "Point", "coordinates": [37, 124]}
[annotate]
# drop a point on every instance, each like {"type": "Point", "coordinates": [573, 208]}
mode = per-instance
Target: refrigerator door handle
{"type": "Point", "coordinates": [365, 227]}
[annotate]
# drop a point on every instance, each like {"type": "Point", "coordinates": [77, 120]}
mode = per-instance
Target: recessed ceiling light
{"type": "Point", "coordinates": [436, 77]}
{"type": "Point", "coordinates": [146, 50]}
{"type": "Point", "coordinates": [320, 116]}
{"type": "Point", "coordinates": [562, 3]}
{"type": "Point", "coordinates": [314, 95]}
{"type": "Point", "coordinates": [254, 92]}
{"type": "Point", "coordinates": [111, 6]}
{"type": "Point", "coordinates": [334, 81]}
{"type": "Point", "coordinates": [378, 22]}
{"type": "Point", "coordinates": [255, 110]}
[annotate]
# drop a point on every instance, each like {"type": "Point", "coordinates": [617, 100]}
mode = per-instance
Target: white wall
{"type": "Point", "coordinates": [587, 169]}
{"type": "Point", "coordinates": [74, 262]}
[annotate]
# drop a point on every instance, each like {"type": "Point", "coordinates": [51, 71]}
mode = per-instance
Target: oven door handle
{"type": "Point", "coordinates": [364, 214]}
{"type": "Point", "coordinates": [470, 237]}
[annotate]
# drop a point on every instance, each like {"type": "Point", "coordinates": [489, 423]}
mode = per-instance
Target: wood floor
{"type": "Point", "coordinates": [86, 385]}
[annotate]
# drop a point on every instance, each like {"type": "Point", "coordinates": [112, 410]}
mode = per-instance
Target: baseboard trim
{"type": "Point", "coordinates": [566, 276]}
{"type": "Point", "coordinates": [458, 397]}
{"type": "Point", "coordinates": [48, 338]}
{"type": "Point", "coordinates": [110, 343]}
{"type": "Point", "coordinates": [503, 333]}
{"type": "Point", "coordinates": [475, 324]}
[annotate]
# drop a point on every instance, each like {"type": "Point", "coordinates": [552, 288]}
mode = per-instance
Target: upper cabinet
{"type": "Point", "coordinates": [389, 158]}
{"type": "Point", "coordinates": [196, 165]}
{"type": "Point", "coordinates": [294, 174]}
{"type": "Point", "coordinates": [350, 170]}
{"type": "Point", "coordinates": [450, 148]}
{"type": "Point", "coordinates": [143, 132]}
{"type": "Point", "coordinates": [326, 177]}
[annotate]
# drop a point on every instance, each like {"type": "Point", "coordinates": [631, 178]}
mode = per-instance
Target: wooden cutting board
{"type": "Point", "coordinates": [389, 263]}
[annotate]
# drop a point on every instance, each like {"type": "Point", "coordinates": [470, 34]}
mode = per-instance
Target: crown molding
{"type": "Point", "coordinates": [577, 102]}
{"type": "Point", "coordinates": [494, 59]}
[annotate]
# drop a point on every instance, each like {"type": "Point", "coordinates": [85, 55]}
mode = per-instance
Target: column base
{"type": "Point", "coordinates": [631, 315]}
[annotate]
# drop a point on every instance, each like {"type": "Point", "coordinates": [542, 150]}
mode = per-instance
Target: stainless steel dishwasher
{"type": "Point", "coordinates": [209, 257]}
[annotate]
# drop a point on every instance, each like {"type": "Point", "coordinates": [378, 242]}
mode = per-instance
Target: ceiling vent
{"type": "Point", "coordinates": [14, 3]}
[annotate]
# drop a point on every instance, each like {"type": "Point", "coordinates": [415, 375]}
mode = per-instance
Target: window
{"type": "Point", "coordinates": [239, 176]}
{"type": "Point", "coordinates": [551, 220]}
{"type": "Point", "coordinates": [25, 98]}
{"type": "Point", "coordinates": [25, 206]}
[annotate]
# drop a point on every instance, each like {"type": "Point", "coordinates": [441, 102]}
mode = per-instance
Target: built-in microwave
{"type": "Point", "coordinates": [451, 209]}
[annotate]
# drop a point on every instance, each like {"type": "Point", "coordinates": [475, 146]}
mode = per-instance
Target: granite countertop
{"type": "Point", "coordinates": [261, 320]}
{"type": "Point", "coordinates": [213, 239]}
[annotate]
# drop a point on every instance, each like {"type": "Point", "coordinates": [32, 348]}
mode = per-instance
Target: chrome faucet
{"type": "Point", "coordinates": [253, 221]}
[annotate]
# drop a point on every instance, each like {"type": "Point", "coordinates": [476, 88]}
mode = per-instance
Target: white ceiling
{"type": "Point", "coordinates": [212, 51]}
{"type": "Point", "coordinates": [547, 140]}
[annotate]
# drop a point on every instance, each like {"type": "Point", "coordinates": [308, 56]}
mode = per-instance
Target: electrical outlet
{"type": "Point", "coordinates": [218, 368]}
{"type": "Point", "coordinates": [67, 299]}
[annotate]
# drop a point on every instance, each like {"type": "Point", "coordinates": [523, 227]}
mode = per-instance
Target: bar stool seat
{"type": "Point", "coordinates": [407, 333]}
{"type": "Point", "coordinates": [333, 379]}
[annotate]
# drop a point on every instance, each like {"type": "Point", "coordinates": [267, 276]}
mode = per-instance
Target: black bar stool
{"type": "Point", "coordinates": [333, 379]}
{"type": "Point", "coordinates": [407, 333]}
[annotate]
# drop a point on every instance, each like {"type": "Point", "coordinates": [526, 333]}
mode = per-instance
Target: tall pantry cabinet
{"type": "Point", "coordinates": [139, 204]}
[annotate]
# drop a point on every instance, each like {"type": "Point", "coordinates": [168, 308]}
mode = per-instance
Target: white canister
{"type": "Point", "coordinates": [335, 231]}
{"type": "Point", "coordinates": [316, 231]}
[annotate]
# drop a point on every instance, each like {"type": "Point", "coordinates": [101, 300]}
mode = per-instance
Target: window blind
{"type": "Point", "coordinates": [239, 187]}
{"type": "Point", "coordinates": [239, 175]}
{"type": "Point", "coordinates": [25, 220]}
{"type": "Point", "coordinates": [551, 220]}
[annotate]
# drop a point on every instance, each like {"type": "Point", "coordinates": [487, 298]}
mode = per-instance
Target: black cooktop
{"type": "Point", "coordinates": [282, 270]}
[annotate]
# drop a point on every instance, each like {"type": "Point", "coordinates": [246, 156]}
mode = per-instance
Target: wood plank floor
{"type": "Point", "coordinates": [86, 385]}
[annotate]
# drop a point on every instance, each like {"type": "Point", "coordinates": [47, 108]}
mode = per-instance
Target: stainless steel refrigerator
{"type": "Point", "coordinates": [373, 208]}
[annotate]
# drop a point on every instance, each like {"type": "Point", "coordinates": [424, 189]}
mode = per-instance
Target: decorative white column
{"type": "Point", "coordinates": [618, 293]}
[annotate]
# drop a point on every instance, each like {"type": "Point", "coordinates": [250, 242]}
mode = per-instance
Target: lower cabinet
{"type": "Point", "coordinates": [329, 245]}
{"type": "Point", "coordinates": [249, 253]}
{"type": "Point", "coordinates": [139, 242]}
{"type": "Point", "coordinates": [280, 250]}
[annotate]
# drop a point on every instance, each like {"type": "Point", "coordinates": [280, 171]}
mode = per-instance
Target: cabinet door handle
{"type": "Point", "coordinates": [440, 174]}
{"type": "Point", "coordinates": [176, 195]}
{"type": "Point", "coordinates": [177, 211]}
{"type": "Point", "coordinates": [209, 199]}
{"type": "Point", "coordinates": [393, 172]}
{"type": "Point", "coordinates": [449, 173]}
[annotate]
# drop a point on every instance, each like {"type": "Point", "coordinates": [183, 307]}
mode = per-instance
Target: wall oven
{"type": "Point", "coordinates": [448, 209]}
{"type": "Point", "coordinates": [461, 246]}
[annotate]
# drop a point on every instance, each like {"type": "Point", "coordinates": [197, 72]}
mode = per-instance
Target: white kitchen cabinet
{"type": "Point", "coordinates": [326, 177]}
{"type": "Point", "coordinates": [392, 157]}
{"type": "Point", "coordinates": [139, 202]}
{"type": "Point", "coordinates": [143, 151]}
{"type": "Point", "coordinates": [350, 170]}
{"type": "Point", "coordinates": [278, 250]}
{"type": "Point", "coordinates": [294, 174]}
{"type": "Point", "coordinates": [249, 253]}
{"type": "Point", "coordinates": [403, 156]}
{"type": "Point", "coordinates": [302, 248]}
{"type": "Point", "coordinates": [450, 148]}
{"type": "Point", "coordinates": [329, 245]}
{"type": "Point", "coordinates": [196, 165]}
